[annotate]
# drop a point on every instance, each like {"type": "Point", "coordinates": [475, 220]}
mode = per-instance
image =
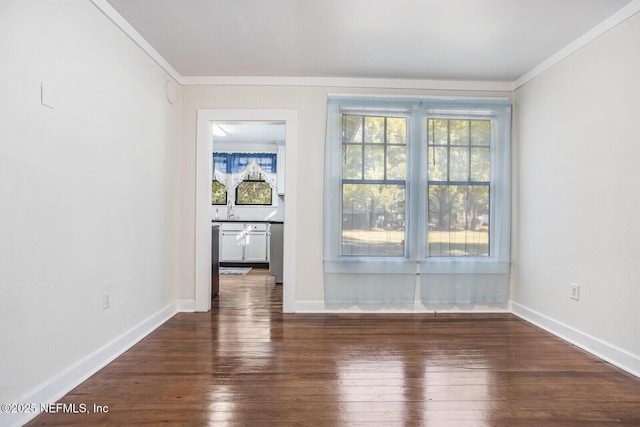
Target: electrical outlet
{"type": "Point", "coordinates": [106, 300]}
{"type": "Point", "coordinates": [575, 291]}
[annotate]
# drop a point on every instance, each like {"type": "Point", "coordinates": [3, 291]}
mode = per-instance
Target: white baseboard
{"type": "Point", "coordinates": [55, 388]}
{"type": "Point", "coordinates": [601, 349]}
{"type": "Point", "coordinates": [186, 305]}
{"type": "Point", "coordinates": [310, 306]}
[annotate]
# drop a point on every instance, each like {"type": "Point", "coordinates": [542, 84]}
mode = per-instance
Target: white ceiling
{"type": "Point", "coordinates": [468, 40]}
{"type": "Point", "coordinates": [249, 132]}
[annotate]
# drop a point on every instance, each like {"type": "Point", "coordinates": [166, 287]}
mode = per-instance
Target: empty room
{"type": "Point", "coordinates": [328, 213]}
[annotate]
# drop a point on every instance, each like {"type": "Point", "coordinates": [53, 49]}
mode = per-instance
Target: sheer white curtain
{"type": "Point", "coordinates": [231, 180]}
{"type": "Point", "coordinates": [352, 279]}
{"type": "Point", "coordinates": [230, 169]}
{"type": "Point", "coordinates": [383, 244]}
{"type": "Point", "coordinates": [477, 279]}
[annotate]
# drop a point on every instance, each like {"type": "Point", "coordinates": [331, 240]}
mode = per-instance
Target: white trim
{"type": "Point", "coordinates": [204, 148]}
{"type": "Point", "coordinates": [186, 305]}
{"type": "Point", "coordinates": [115, 17]}
{"type": "Point", "coordinates": [617, 18]}
{"type": "Point", "coordinates": [61, 384]}
{"type": "Point", "coordinates": [599, 348]}
{"type": "Point", "coordinates": [311, 306]}
{"type": "Point", "coordinates": [417, 98]}
{"type": "Point", "coordinates": [204, 175]}
{"type": "Point", "coordinates": [368, 83]}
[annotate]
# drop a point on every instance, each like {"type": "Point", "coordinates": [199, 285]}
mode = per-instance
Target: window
{"type": "Point", "coordinates": [250, 177]}
{"type": "Point", "coordinates": [253, 192]}
{"type": "Point", "coordinates": [373, 185]}
{"type": "Point", "coordinates": [416, 186]}
{"type": "Point", "coordinates": [459, 177]}
{"type": "Point", "coordinates": [218, 193]}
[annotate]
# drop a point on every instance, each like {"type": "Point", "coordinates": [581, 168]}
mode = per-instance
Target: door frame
{"type": "Point", "coordinates": [204, 175]}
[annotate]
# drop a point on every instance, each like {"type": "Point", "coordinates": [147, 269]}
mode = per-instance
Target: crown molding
{"type": "Point", "coordinates": [342, 82]}
{"type": "Point", "coordinates": [617, 18]}
{"type": "Point", "coordinates": [115, 17]}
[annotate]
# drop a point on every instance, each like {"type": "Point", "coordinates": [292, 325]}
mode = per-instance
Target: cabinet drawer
{"type": "Point", "coordinates": [256, 227]}
{"type": "Point", "coordinates": [232, 226]}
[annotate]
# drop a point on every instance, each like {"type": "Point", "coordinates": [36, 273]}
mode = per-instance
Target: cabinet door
{"type": "Point", "coordinates": [256, 247]}
{"type": "Point", "coordinates": [232, 246]}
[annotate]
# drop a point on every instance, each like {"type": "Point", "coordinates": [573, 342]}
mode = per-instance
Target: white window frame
{"type": "Point", "coordinates": [499, 193]}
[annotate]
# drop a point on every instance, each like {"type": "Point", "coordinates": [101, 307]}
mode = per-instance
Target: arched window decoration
{"type": "Point", "coordinates": [230, 169]}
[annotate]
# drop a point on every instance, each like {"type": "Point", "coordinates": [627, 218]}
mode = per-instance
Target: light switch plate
{"type": "Point", "coordinates": [575, 291]}
{"type": "Point", "coordinates": [47, 96]}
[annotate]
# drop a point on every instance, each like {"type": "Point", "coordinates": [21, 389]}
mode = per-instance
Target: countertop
{"type": "Point", "coordinates": [248, 221]}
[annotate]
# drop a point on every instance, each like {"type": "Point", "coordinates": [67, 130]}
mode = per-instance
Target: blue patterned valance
{"type": "Point", "coordinates": [237, 162]}
{"type": "Point", "coordinates": [230, 169]}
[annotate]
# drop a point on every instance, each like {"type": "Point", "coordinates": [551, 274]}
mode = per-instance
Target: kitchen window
{"type": "Point", "coordinates": [254, 192]}
{"type": "Point", "coordinates": [416, 187]}
{"type": "Point", "coordinates": [248, 177]}
{"type": "Point", "coordinates": [218, 193]}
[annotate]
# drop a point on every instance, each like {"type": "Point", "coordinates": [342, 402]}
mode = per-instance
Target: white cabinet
{"type": "Point", "coordinates": [232, 243]}
{"type": "Point", "coordinates": [256, 243]}
{"type": "Point", "coordinates": [244, 242]}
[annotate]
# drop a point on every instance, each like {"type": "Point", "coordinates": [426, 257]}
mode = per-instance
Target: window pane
{"type": "Point", "coordinates": [438, 164]}
{"type": "Point", "coordinates": [351, 128]}
{"type": "Point", "coordinates": [374, 129]}
{"type": "Point", "coordinates": [438, 132]}
{"type": "Point", "coordinates": [374, 162]}
{"type": "Point", "coordinates": [396, 162]}
{"type": "Point", "coordinates": [458, 220]}
{"type": "Point", "coordinates": [352, 161]}
{"type": "Point", "coordinates": [253, 193]}
{"type": "Point", "coordinates": [373, 220]}
{"type": "Point", "coordinates": [480, 164]}
{"type": "Point", "coordinates": [459, 132]}
{"type": "Point", "coordinates": [481, 132]}
{"type": "Point", "coordinates": [459, 166]}
{"type": "Point", "coordinates": [218, 193]}
{"type": "Point", "coordinates": [396, 130]}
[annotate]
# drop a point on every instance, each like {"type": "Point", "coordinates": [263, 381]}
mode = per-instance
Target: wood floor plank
{"type": "Point", "coordinates": [247, 363]}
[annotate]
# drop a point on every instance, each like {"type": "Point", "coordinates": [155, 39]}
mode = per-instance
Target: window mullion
{"type": "Point", "coordinates": [469, 151]}
{"type": "Point", "coordinates": [362, 148]}
{"type": "Point", "coordinates": [384, 149]}
{"type": "Point", "coordinates": [416, 184]}
{"type": "Point", "coordinates": [448, 150]}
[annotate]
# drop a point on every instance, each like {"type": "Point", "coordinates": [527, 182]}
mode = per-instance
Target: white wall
{"type": "Point", "coordinates": [89, 189]}
{"type": "Point", "coordinates": [577, 198]}
{"type": "Point", "coordinates": [311, 105]}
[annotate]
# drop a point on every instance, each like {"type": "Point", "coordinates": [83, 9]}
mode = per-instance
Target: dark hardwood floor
{"type": "Point", "coordinates": [247, 364]}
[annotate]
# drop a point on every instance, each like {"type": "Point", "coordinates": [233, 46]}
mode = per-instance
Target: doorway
{"type": "Point", "coordinates": [204, 174]}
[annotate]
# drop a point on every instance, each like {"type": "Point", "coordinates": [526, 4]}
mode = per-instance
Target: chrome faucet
{"type": "Point", "coordinates": [229, 209]}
